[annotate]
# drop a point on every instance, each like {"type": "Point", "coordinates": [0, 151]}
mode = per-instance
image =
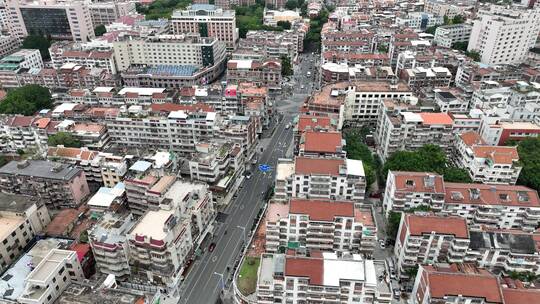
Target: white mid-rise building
{"type": "Point", "coordinates": [447, 35]}
{"type": "Point", "coordinates": [419, 20]}
{"type": "Point", "coordinates": [320, 178]}
{"type": "Point", "coordinates": [504, 35]}
{"type": "Point", "coordinates": [59, 19]}
{"type": "Point", "coordinates": [105, 13]}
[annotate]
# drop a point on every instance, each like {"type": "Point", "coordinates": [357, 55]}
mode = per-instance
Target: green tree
{"type": "Point", "coordinates": [38, 42]}
{"type": "Point", "coordinates": [431, 30]}
{"type": "Point", "coordinates": [529, 157]}
{"type": "Point", "coordinates": [382, 48]}
{"type": "Point", "coordinates": [100, 30]}
{"type": "Point", "coordinates": [291, 4]}
{"type": "Point", "coordinates": [65, 139]}
{"type": "Point", "coordinates": [83, 236]}
{"type": "Point", "coordinates": [358, 150]}
{"type": "Point", "coordinates": [392, 226]}
{"type": "Point", "coordinates": [411, 272]}
{"type": "Point", "coordinates": [286, 66]}
{"type": "Point", "coordinates": [286, 25]}
{"type": "Point", "coordinates": [458, 19]}
{"type": "Point", "coordinates": [474, 55]}
{"type": "Point", "coordinates": [26, 100]}
{"type": "Point", "coordinates": [456, 175]}
{"type": "Point", "coordinates": [460, 46]}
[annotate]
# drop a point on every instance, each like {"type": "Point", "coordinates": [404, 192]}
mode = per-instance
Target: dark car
{"type": "Point", "coordinates": [212, 247]}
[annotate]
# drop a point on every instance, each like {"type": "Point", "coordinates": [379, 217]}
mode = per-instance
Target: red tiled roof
{"type": "Point", "coordinates": [436, 118]}
{"type": "Point", "coordinates": [419, 225]}
{"type": "Point", "coordinates": [521, 296]}
{"type": "Point", "coordinates": [170, 107]}
{"type": "Point", "coordinates": [498, 154]}
{"type": "Point", "coordinates": [81, 250]}
{"type": "Point", "coordinates": [472, 138]}
{"type": "Point", "coordinates": [321, 166]}
{"type": "Point", "coordinates": [306, 122]}
{"type": "Point", "coordinates": [21, 121]}
{"type": "Point", "coordinates": [508, 195]}
{"type": "Point", "coordinates": [73, 153]}
{"type": "Point", "coordinates": [415, 182]}
{"type": "Point", "coordinates": [313, 269]}
{"type": "Point", "coordinates": [322, 142]}
{"type": "Point", "coordinates": [471, 285]}
{"type": "Point", "coordinates": [319, 210]}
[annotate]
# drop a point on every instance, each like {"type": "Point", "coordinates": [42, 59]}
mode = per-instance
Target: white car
{"type": "Point", "coordinates": [382, 244]}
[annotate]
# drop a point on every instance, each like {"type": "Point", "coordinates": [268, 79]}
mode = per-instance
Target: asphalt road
{"type": "Point", "coordinates": [203, 283]}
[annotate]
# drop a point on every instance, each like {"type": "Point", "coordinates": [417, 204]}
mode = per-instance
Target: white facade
{"type": "Point", "coordinates": [105, 13]}
{"type": "Point", "coordinates": [25, 58]}
{"type": "Point", "coordinates": [447, 35]}
{"type": "Point", "coordinates": [419, 20]}
{"type": "Point", "coordinates": [8, 44]}
{"type": "Point", "coordinates": [61, 19]}
{"type": "Point", "coordinates": [503, 36]}
{"type": "Point", "coordinates": [51, 276]}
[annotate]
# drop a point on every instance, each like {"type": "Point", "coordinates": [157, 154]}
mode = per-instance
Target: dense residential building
{"type": "Point", "coordinates": [447, 35]}
{"type": "Point", "coordinates": [59, 19]}
{"type": "Point", "coordinates": [207, 20]}
{"type": "Point", "coordinates": [320, 225]}
{"type": "Point", "coordinates": [447, 8]}
{"type": "Point", "coordinates": [83, 158]}
{"type": "Point", "coordinates": [504, 251]}
{"type": "Point", "coordinates": [265, 73]}
{"type": "Point", "coordinates": [504, 35]}
{"type": "Point", "coordinates": [57, 184]}
{"type": "Point", "coordinates": [320, 178]}
{"type": "Point", "coordinates": [21, 218]}
{"type": "Point", "coordinates": [496, 132]}
{"type": "Point", "coordinates": [419, 20]}
{"type": "Point", "coordinates": [81, 54]}
{"type": "Point", "coordinates": [25, 58]}
{"type": "Point", "coordinates": [188, 50]}
{"type": "Point", "coordinates": [216, 163]}
{"type": "Point", "coordinates": [466, 283]}
{"type": "Point", "coordinates": [407, 190]}
{"type": "Point", "coordinates": [428, 239]}
{"type": "Point", "coordinates": [109, 243]}
{"type": "Point", "coordinates": [334, 73]}
{"type": "Point", "coordinates": [490, 205]}
{"type": "Point", "coordinates": [485, 163]}
{"type": "Point", "coordinates": [295, 279]}
{"type": "Point", "coordinates": [19, 133]}
{"type": "Point", "coordinates": [419, 77]}
{"type": "Point", "coordinates": [105, 13]}
{"type": "Point", "coordinates": [269, 44]}
{"type": "Point", "coordinates": [8, 44]}
{"type": "Point", "coordinates": [51, 277]}
{"type": "Point", "coordinates": [321, 144]}
{"type": "Point", "coordinates": [401, 129]}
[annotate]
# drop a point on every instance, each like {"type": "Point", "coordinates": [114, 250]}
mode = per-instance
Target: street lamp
{"type": "Point", "coordinates": [243, 232]}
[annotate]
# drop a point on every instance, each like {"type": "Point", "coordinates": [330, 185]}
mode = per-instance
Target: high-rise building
{"type": "Point", "coordinates": [208, 21]}
{"type": "Point", "coordinates": [59, 19]}
{"type": "Point", "coordinates": [502, 35]}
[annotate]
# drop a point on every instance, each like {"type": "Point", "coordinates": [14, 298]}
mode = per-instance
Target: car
{"type": "Point", "coordinates": [287, 126]}
{"type": "Point", "coordinates": [397, 294]}
{"type": "Point", "coordinates": [212, 247]}
{"type": "Point", "coordinates": [382, 245]}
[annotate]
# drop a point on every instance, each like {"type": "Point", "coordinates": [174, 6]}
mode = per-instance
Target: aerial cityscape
{"type": "Point", "coordinates": [269, 151]}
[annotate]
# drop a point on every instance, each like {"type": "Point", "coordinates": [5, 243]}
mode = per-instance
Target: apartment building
{"type": "Point", "coordinates": [419, 20]}
{"type": "Point", "coordinates": [180, 130]}
{"type": "Point", "coordinates": [321, 144]}
{"type": "Point", "coordinates": [486, 164]}
{"type": "Point", "coordinates": [320, 225]}
{"type": "Point", "coordinates": [466, 283]}
{"type": "Point", "coordinates": [497, 131]}
{"type": "Point", "coordinates": [83, 158]}
{"type": "Point", "coordinates": [304, 123]}
{"type": "Point", "coordinates": [354, 41]}
{"type": "Point", "coordinates": [113, 169]}
{"type": "Point", "coordinates": [428, 239]}
{"type": "Point", "coordinates": [469, 72]}
{"type": "Point", "coordinates": [451, 100]}
{"type": "Point", "coordinates": [352, 59]}
{"type": "Point", "coordinates": [320, 178]}
{"type": "Point", "coordinates": [269, 44]}
{"type": "Point", "coordinates": [21, 218]}
{"type": "Point", "coordinates": [60, 19]}
{"type": "Point", "coordinates": [504, 251]}
{"type": "Point", "coordinates": [82, 54]}
{"type": "Point", "coordinates": [58, 185]}
{"type": "Point", "coordinates": [51, 277]}
{"type": "Point", "coordinates": [182, 50]}
{"type": "Point", "coordinates": [406, 41]}
{"type": "Point", "coordinates": [407, 190]}
{"type": "Point", "coordinates": [325, 276]}
{"type": "Point", "coordinates": [8, 44]}
{"type": "Point", "coordinates": [18, 133]}
{"type": "Point", "coordinates": [504, 35]}
{"type": "Point", "coordinates": [110, 245]}
{"type": "Point", "coordinates": [22, 59]}
{"type": "Point", "coordinates": [171, 76]}
{"type": "Point", "coordinates": [214, 162]}
{"type": "Point", "coordinates": [399, 129]}
{"type": "Point", "coordinates": [105, 13]}
{"type": "Point", "coordinates": [447, 35]}
{"type": "Point", "coordinates": [419, 77]}
{"type": "Point", "coordinates": [91, 135]}
{"type": "Point", "coordinates": [207, 20]}
{"type": "Point", "coordinates": [333, 73]}
{"type": "Point", "coordinates": [117, 97]}
{"type": "Point", "coordinates": [490, 205]}
{"type": "Point", "coordinates": [447, 8]}
{"type": "Point", "coordinates": [265, 73]}
{"type": "Point", "coordinates": [160, 244]}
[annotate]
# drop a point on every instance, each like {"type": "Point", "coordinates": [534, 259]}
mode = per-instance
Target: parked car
{"type": "Point", "coordinates": [212, 247]}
